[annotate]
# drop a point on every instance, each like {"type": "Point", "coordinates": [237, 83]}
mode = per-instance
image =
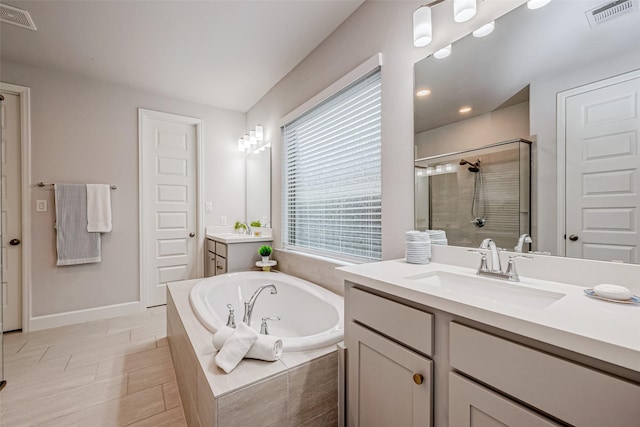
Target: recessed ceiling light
{"type": "Point", "coordinates": [464, 110]}
{"type": "Point", "coordinates": [423, 92]}
{"type": "Point", "coordinates": [485, 30]}
{"type": "Point", "coordinates": [443, 53]}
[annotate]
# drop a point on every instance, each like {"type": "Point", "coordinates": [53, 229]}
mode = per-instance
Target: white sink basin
{"type": "Point", "coordinates": [238, 238]}
{"type": "Point", "coordinates": [491, 290]}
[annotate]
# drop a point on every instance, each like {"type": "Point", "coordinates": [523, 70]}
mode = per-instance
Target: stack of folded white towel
{"type": "Point", "coordinates": [418, 247]}
{"type": "Point", "coordinates": [233, 345]}
{"type": "Point", "coordinates": [438, 237]}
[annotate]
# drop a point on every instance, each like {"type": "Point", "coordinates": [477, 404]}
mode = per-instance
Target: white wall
{"type": "Point", "coordinates": [500, 125]}
{"type": "Point", "coordinates": [377, 26]}
{"type": "Point", "coordinates": [87, 131]}
{"type": "Point", "coordinates": [543, 117]}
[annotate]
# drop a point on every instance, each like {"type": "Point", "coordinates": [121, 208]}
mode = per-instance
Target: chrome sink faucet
{"type": "Point", "coordinates": [247, 229]}
{"type": "Point", "coordinates": [525, 238]}
{"type": "Point", "coordinates": [248, 306]}
{"type": "Point", "coordinates": [496, 267]}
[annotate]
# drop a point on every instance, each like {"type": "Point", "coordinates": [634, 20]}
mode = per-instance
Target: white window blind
{"type": "Point", "coordinates": [332, 169]}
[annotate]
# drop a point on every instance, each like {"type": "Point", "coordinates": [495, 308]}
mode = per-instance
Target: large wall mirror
{"type": "Point", "coordinates": [566, 77]}
{"type": "Point", "coordinates": [258, 191]}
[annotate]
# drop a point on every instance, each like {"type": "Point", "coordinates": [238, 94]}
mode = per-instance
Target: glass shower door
{"type": "Point", "coordinates": [2, 381]}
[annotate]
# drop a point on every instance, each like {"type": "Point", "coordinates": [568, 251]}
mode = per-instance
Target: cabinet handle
{"type": "Point", "coordinates": [219, 267]}
{"type": "Point", "coordinates": [418, 378]}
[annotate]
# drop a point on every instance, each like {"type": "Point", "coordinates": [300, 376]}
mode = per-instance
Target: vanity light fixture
{"type": "Point", "coordinates": [423, 92]}
{"type": "Point", "coordinates": [247, 142]}
{"type": "Point", "coordinates": [241, 144]}
{"type": "Point", "coordinates": [259, 133]}
{"type": "Point", "coordinates": [252, 138]}
{"type": "Point", "coordinates": [443, 53]}
{"type": "Point", "coordinates": [463, 10]}
{"type": "Point", "coordinates": [485, 30]}
{"type": "Point", "coordinates": [422, 29]}
{"type": "Point", "coordinates": [537, 4]}
{"type": "Point", "coordinates": [464, 110]}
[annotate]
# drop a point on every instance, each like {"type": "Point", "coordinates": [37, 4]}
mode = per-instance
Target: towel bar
{"type": "Point", "coordinates": [43, 184]}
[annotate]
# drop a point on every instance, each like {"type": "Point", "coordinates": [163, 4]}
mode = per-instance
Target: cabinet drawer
{"type": "Point", "coordinates": [472, 405]}
{"type": "Point", "coordinates": [221, 265]}
{"type": "Point", "coordinates": [411, 327]}
{"type": "Point", "coordinates": [210, 264]}
{"type": "Point", "coordinates": [221, 249]}
{"type": "Point", "coordinates": [211, 246]}
{"type": "Point", "coordinates": [568, 391]}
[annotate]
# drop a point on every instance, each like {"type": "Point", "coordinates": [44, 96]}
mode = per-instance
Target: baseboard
{"type": "Point", "coordinates": [80, 316]}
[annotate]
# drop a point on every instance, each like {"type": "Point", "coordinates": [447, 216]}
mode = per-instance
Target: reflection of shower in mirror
{"type": "Point", "coordinates": [479, 200]}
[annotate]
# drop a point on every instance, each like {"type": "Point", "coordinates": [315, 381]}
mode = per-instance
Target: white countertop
{"type": "Point", "coordinates": [576, 322]}
{"type": "Point", "coordinates": [228, 238]}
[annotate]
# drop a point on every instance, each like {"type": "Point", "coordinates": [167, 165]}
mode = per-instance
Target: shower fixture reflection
{"type": "Point", "coordinates": [479, 200]}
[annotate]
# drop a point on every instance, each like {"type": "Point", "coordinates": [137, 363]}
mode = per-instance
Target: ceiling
{"type": "Point", "coordinates": [495, 71]}
{"type": "Point", "coordinates": [226, 54]}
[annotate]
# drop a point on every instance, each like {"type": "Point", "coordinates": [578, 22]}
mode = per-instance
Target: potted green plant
{"type": "Point", "coordinates": [265, 252]}
{"type": "Point", "coordinates": [255, 224]}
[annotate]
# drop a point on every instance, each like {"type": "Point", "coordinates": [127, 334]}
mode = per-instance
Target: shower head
{"type": "Point", "coordinates": [473, 167]}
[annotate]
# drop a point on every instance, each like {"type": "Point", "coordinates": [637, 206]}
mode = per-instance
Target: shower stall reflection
{"type": "Point", "coordinates": [476, 194]}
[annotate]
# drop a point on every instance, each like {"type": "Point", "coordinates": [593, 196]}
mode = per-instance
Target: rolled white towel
{"type": "Point", "coordinates": [266, 347]}
{"type": "Point", "coordinates": [235, 347]}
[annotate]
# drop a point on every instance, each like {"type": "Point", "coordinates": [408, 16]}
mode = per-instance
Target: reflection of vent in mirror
{"type": "Point", "coordinates": [609, 11]}
{"type": "Point", "coordinates": [15, 16]}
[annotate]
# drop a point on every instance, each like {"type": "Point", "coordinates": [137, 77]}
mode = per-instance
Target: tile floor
{"type": "Point", "coordinates": [113, 372]}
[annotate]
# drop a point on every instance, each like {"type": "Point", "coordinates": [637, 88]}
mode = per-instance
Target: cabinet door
{"type": "Point", "coordinates": [221, 265]}
{"type": "Point", "coordinates": [388, 385]}
{"type": "Point", "coordinates": [472, 405]}
{"type": "Point", "coordinates": [210, 264]}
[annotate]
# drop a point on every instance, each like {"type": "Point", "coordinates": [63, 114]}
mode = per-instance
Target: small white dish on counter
{"type": "Point", "coordinates": [634, 299]}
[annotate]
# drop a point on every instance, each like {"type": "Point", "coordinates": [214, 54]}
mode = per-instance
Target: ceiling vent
{"type": "Point", "coordinates": [609, 11]}
{"type": "Point", "coordinates": [15, 16]}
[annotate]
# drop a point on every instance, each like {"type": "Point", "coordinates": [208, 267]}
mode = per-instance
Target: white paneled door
{"type": "Point", "coordinates": [603, 171]}
{"type": "Point", "coordinates": [11, 214]}
{"type": "Point", "coordinates": [169, 189]}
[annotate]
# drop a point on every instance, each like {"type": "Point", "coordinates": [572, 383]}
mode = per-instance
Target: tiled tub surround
{"type": "Point", "coordinates": [300, 389]}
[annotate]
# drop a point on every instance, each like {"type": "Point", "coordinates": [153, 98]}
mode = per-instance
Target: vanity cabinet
{"type": "Point", "coordinates": [478, 376]}
{"type": "Point", "coordinates": [222, 258]}
{"type": "Point", "coordinates": [390, 383]}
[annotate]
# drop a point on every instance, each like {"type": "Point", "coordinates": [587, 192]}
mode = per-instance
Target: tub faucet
{"type": "Point", "coordinates": [248, 306]}
{"type": "Point", "coordinates": [525, 238]}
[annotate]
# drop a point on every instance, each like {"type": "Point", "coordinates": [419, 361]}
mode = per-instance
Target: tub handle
{"type": "Point", "coordinates": [231, 320]}
{"type": "Point", "coordinates": [264, 327]}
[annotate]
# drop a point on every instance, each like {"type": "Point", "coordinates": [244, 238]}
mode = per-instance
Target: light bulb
{"type": "Point", "coordinates": [537, 4]}
{"type": "Point", "coordinates": [443, 53]}
{"type": "Point", "coordinates": [463, 10]}
{"type": "Point", "coordinates": [485, 30]}
{"type": "Point", "coordinates": [422, 30]}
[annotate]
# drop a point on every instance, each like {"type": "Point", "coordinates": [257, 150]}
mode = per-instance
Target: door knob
{"type": "Point", "coordinates": [417, 378]}
{"type": "Point", "coordinates": [192, 234]}
{"type": "Point", "coordinates": [573, 237]}
{"type": "Point", "coordinates": [14, 242]}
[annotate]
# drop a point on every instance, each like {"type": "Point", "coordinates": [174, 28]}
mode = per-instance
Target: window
{"type": "Point", "coordinates": [332, 175]}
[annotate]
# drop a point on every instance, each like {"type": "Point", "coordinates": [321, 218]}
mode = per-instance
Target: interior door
{"type": "Point", "coordinates": [603, 172]}
{"type": "Point", "coordinates": [169, 194]}
{"type": "Point", "coordinates": [11, 214]}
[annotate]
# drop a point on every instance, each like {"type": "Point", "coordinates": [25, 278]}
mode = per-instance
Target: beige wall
{"type": "Point", "coordinates": [87, 131]}
{"type": "Point", "coordinates": [500, 125]}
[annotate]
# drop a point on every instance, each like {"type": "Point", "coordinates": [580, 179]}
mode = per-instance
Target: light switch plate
{"type": "Point", "coordinates": [208, 207]}
{"type": "Point", "coordinates": [41, 206]}
{"type": "Point", "coordinates": [223, 220]}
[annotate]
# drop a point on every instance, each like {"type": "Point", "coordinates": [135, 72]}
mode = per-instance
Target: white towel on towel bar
{"type": "Point", "coordinates": [98, 208]}
{"type": "Point", "coordinates": [75, 244]}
